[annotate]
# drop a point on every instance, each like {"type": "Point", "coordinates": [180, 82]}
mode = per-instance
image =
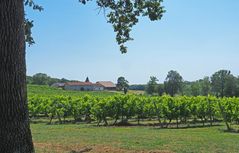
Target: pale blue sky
{"type": "Point", "coordinates": [196, 38]}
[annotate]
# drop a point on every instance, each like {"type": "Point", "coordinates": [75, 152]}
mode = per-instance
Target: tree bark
{"type": "Point", "coordinates": [15, 134]}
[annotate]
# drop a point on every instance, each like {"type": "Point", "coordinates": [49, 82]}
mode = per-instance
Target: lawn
{"type": "Point", "coordinates": [87, 137]}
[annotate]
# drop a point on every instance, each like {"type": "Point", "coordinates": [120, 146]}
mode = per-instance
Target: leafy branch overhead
{"type": "Point", "coordinates": [122, 14]}
{"type": "Point", "coordinates": [28, 24]}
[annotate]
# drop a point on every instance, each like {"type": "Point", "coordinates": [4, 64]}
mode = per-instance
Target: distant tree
{"type": "Point", "coordinates": [137, 87]}
{"type": "Point", "coordinates": [237, 88]}
{"type": "Point", "coordinates": [40, 79]}
{"type": "Point", "coordinates": [160, 89]}
{"type": "Point", "coordinates": [87, 80]}
{"type": "Point", "coordinates": [125, 90]}
{"type": "Point", "coordinates": [186, 88]}
{"type": "Point", "coordinates": [29, 80]}
{"type": "Point", "coordinates": [231, 86]}
{"type": "Point", "coordinates": [52, 81]}
{"type": "Point", "coordinates": [195, 88]}
{"type": "Point", "coordinates": [122, 84]}
{"type": "Point", "coordinates": [173, 83]}
{"type": "Point", "coordinates": [205, 86]}
{"type": "Point", "coordinates": [218, 83]}
{"type": "Point", "coordinates": [152, 85]}
{"type": "Point", "coordinates": [63, 80]}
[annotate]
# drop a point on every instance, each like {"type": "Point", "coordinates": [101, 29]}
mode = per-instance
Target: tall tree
{"type": "Point", "coordinates": [160, 89]}
{"type": "Point", "coordinates": [186, 88]}
{"type": "Point", "coordinates": [122, 84]}
{"type": "Point", "coordinates": [87, 79]}
{"type": "Point", "coordinates": [205, 86]}
{"type": "Point", "coordinates": [152, 85]}
{"type": "Point", "coordinates": [231, 86]}
{"type": "Point", "coordinates": [173, 83]}
{"type": "Point", "coordinates": [29, 80]}
{"type": "Point", "coordinates": [219, 79]}
{"type": "Point", "coordinates": [15, 131]}
{"type": "Point", "coordinates": [237, 88]}
{"type": "Point", "coordinates": [195, 88]}
{"type": "Point", "coordinates": [40, 79]}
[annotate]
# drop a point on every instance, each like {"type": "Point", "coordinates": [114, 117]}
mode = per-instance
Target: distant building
{"type": "Point", "coordinates": [83, 86]}
{"type": "Point", "coordinates": [58, 85]}
{"type": "Point", "coordinates": [108, 85]}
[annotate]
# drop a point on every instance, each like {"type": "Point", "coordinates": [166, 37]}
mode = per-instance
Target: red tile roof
{"type": "Point", "coordinates": [107, 84]}
{"type": "Point", "coordinates": [79, 83]}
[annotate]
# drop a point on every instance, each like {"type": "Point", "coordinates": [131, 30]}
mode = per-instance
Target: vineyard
{"type": "Point", "coordinates": [119, 109]}
{"type": "Point", "coordinates": [66, 121]}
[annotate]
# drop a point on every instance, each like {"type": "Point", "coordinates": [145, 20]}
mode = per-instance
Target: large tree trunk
{"type": "Point", "coordinates": [15, 134]}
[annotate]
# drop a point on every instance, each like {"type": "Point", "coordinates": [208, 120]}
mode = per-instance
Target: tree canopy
{"type": "Point", "coordinates": [122, 14]}
{"type": "Point", "coordinates": [122, 84]}
{"type": "Point", "coordinates": [218, 82]}
{"type": "Point", "coordinates": [173, 82]}
{"type": "Point", "coordinates": [152, 85]}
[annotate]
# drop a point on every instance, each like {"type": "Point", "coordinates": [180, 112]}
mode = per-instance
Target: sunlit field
{"type": "Point", "coordinates": [88, 137]}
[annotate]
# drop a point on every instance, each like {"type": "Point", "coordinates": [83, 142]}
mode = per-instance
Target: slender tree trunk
{"type": "Point", "coordinates": [138, 119]}
{"type": "Point", "coordinates": [105, 120]}
{"type": "Point", "coordinates": [15, 134]}
{"type": "Point", "coordinates": [115, 121]}
{"type": "Point", "coordinates": [51, 118]}
{"type": "Point", "coordinates": [202, 122]}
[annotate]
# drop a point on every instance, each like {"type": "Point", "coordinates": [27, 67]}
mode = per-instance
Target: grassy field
{"type": "Point", "coordinates": [44, 90]}
{"type": "Point", "coordinates": [51, 91]}
{"type": "Point", "coordinates": [87, 137]}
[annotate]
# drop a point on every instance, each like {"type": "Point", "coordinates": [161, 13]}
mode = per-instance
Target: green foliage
{"type": "Point", "coordinates": [122, 14]}
{"type": "Point", "coordinates": [152, 85]}
{"type": "Point", "coordinates": [28, 24]}
{"type": "Point", "coordinates": [205, 86]}
{"type": "Point", "coordinates": [219, 80]}
{"type": "Point", "coordinates": [195, 88]}
{"type": "Point", "coordinates": [46, 91]}
{"type": "Point", "coordinates": [122, 84]}
{"type": "Point", "coordinates": [40, 79]}
{"type": "Point", "coordinates": [173, 83]}
{"type": "Point", "coordinates": [166, 109]}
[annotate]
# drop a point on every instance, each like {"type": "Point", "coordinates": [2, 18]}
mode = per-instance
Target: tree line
{"type": "Point", "coordinates": [221, 84]}
{"type": "Point", "coordinates": [44, 79]}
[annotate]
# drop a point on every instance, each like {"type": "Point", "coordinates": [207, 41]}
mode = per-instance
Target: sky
{"type": "Point", "coordinates": [195, 38]}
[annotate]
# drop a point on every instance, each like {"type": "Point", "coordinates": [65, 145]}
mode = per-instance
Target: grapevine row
{"type": "Point", "coordinates": [121, 108]}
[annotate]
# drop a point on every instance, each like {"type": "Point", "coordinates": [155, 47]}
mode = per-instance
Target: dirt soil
{"type": "Point", "coordinates": [57, 148]}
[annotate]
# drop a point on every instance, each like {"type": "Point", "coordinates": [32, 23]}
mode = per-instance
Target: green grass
{"type": "Point", "coordinates": [64, 138]}
{"type": "Point", "coordinates": [43, 90]}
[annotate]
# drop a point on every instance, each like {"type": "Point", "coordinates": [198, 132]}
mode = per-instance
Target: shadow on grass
{"type": "Point", "coordinates": [157, 126]}
{"type": "Point", "coordinates": [188, 126]}
{"type": "Point", "coordinates": [162, 126]}
{"type": "Point", "coordinates": [229, 130]}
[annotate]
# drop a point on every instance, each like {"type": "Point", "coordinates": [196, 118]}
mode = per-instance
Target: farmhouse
{"type": "Point", "coordinates": [108, 85]}
{"type": "Point", "coordinates": [58, 85]}
{"type": "Point", "coordinates": [83, 86]}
